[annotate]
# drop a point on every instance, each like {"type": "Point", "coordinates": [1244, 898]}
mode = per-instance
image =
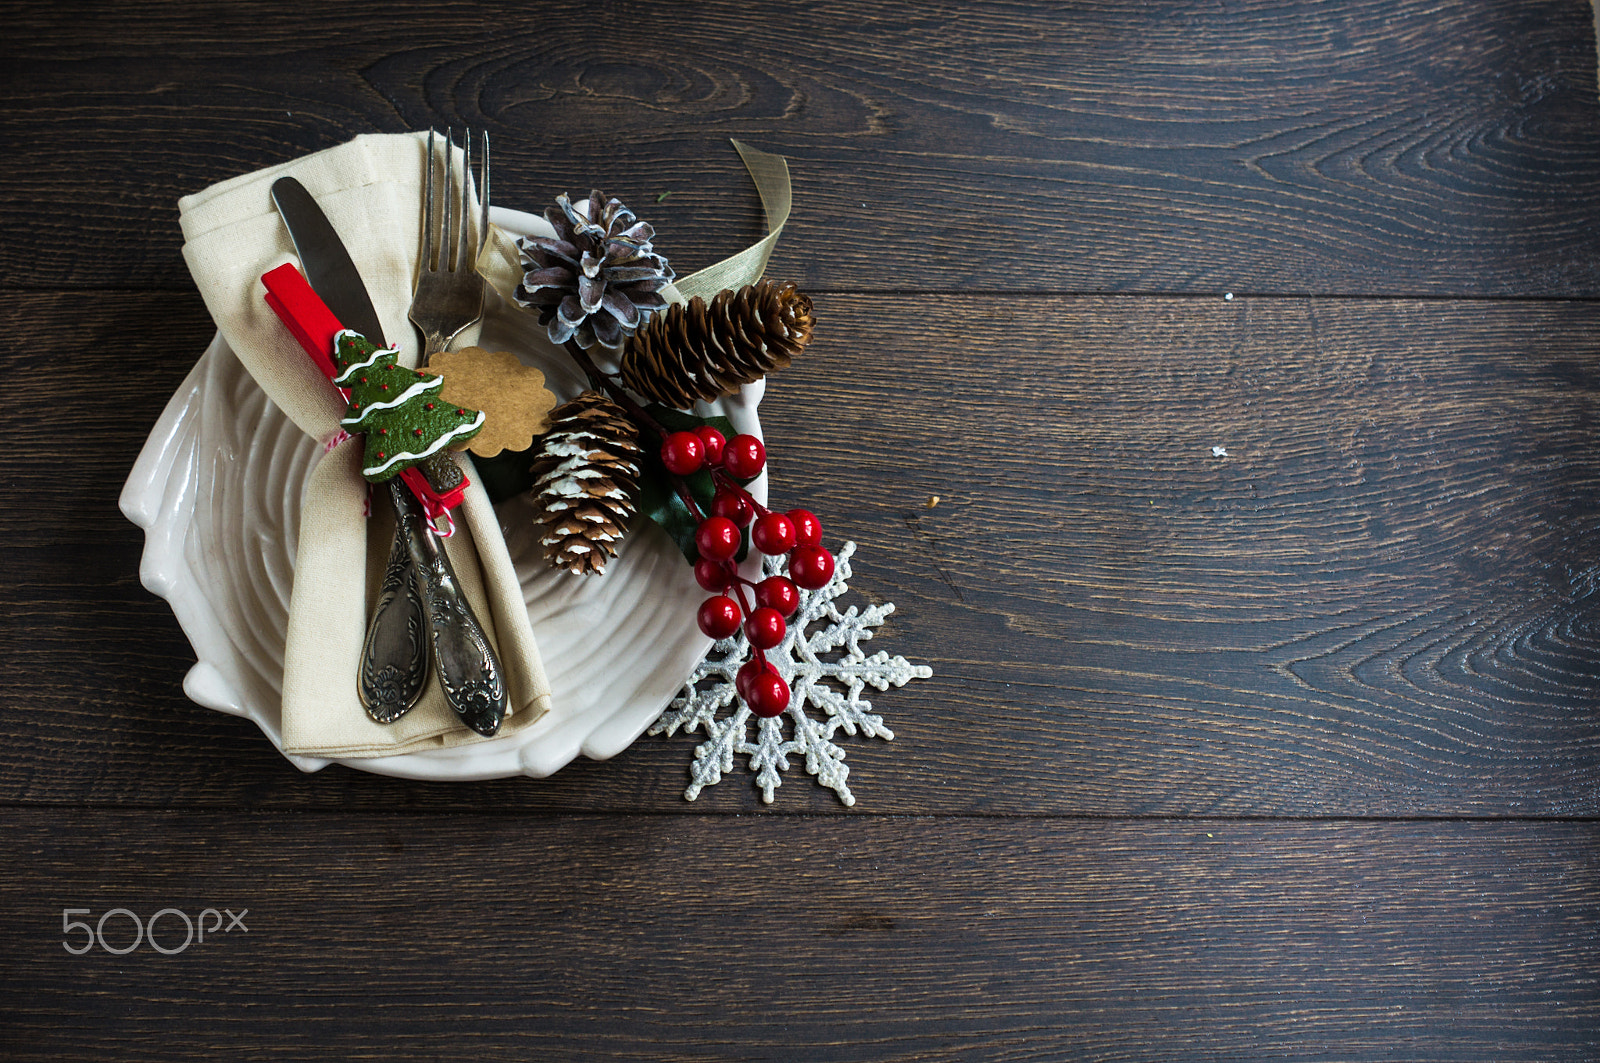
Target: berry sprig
{"type": "Point", "coordinates": [796, 533]}
{"type": "Point", "coordinates": [719, 535]}
{"type": "Point", "coordinates": [598, 281]}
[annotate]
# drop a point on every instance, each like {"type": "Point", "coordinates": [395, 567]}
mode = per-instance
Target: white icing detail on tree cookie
{"type": "Point", "coordinates": [438, 444]}
{"type": "Point", "coordinates": [377, 353]}
{"type": "Point", "coordinates": [425, 384]}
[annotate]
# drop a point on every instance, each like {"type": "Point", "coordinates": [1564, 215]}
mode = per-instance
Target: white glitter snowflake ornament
{"type": "Point", "coordinates": [812, 678]}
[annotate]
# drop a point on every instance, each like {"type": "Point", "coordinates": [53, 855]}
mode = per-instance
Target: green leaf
{"type": "Point", "coordinates": [657, 498]}
{"type": "Point", "coordinates": [679, 421]}
{"type": "Point", "coordinates": [659, 502]}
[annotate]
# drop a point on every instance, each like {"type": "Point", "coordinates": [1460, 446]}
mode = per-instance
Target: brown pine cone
{"type": "Point", "coordinates": [586, 479]}
{"type": "Point", "coordinates": [693, 351]}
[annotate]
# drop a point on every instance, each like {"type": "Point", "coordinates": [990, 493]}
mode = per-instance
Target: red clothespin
{"type": "Point", "coordinates": [314, 325]}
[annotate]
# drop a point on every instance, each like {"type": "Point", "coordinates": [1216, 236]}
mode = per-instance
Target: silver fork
{"type": "Point", "coordinates": [418, 585]}
{"type": "Point", "coordinates": [449, 292]}
{"type": "Point", "coordinates": [448, 298]}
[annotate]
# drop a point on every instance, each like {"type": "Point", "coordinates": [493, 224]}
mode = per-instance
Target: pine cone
{"type": "Point", "coordinates": [586, 479]}
{"type": "Point", "coordinates": [698, 352]}
{"type": "Point", "coordinates": [598, 279]}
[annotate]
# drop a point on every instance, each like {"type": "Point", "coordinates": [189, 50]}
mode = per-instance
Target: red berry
{"type": "Point", "coordinates": [746, 675]}
{"type": "Point", "coordinates": [765, 628]}
{"type": "Point", "coordinates": [683, 453]}
{"type": "Point", "coordinates": [769, 695]}
{"type": "Point", "coordinates": [712, 575]}
{"type": "Point", "coordinates": [729, 504]}
{"type": "Point", "coordinates": [807, 528]}
{"type": "Point", "coordinates": [717, 538]}
{"type": "Point", "coordinates": [712, 441]}
{"type": "Point", "coordinates": [744, 456]}
{"type": "Point", "coordinates": [778, 593]}
{"type": "Point", "coordinates": [773, 534]}
{"type": "Point", "coordinates": [719, 616]}
{"type": "Point", "coordinates": [811, 567]}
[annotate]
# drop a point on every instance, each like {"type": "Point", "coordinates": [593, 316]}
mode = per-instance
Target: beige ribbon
{"type": "Point", "coordinates": [501, 264]}
{"type": "Point", "coordinates": [771, 175]}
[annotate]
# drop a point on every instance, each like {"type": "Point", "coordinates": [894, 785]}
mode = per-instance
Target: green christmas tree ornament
{"type": "Point", "coordinates": [400, 410]}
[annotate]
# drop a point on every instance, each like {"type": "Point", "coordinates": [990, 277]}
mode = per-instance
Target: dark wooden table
{"type": "Point", "coordinates": [1292, 753]}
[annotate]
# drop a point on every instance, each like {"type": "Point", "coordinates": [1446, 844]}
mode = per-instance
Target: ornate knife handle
{"type": "Point", "coordinates": [469, 673]}
{"type": "Point", "coordinates": [394, 658]}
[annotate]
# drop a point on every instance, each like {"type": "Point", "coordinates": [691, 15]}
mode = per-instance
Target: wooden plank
{"type": "Point", "coordinates": [1361, 147]}
{"type": "Point", "coordinates": [674, 938]}
{"type": "Point", "coordinates": [1381, 601]}
{"type": "Point", "coordinates": [1380, 593]}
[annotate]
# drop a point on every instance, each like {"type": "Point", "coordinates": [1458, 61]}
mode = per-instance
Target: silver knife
{"type": "Point", "coordinates": [394, 657]}
{"type": "Point", "coordinates": [327, 264]}
{"type": "Point", "coordinates": [419, 589]}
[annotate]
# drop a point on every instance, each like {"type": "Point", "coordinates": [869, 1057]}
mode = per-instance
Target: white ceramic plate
{"type": "Point", "coordinates": [217, 491]}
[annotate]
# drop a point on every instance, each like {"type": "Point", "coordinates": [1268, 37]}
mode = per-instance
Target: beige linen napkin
{"type": "Point", "coordinates": [370, 188]}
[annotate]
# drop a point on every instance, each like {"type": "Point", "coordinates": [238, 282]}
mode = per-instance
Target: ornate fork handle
{"type": "Point", "coordinates": [447, 298]}
{"type": "Point", "coordinates": [469, 673]}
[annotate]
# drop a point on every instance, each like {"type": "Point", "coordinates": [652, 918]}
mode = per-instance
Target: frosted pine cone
{"type": "Point", "coordinates": [696, 351]}
{"type": "Point", "coordinates": [598, 279]}
{"type": "Point", "coordinates": [586, 479]}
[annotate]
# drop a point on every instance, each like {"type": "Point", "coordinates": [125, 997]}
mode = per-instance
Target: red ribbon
{"type": "Point", "coordinates": [313, 324]}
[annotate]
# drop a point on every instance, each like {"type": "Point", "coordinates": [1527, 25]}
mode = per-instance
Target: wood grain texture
{"type": "Point", "coordinates": [1381, 601]}
{"type": "Point", "coordinates": [1287, 749]}
{"type": "Point", "coordinates": [1364, 146]}
{"type": "Point", "coordinates": [515, 937]}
